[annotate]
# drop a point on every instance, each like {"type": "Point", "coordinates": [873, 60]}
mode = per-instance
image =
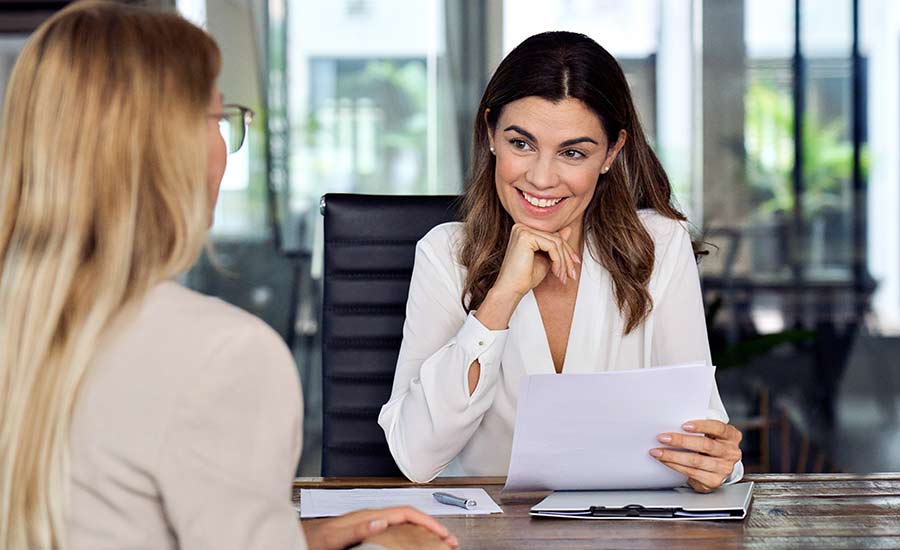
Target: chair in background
{"type": "Point", "coordinates": [370, 245]}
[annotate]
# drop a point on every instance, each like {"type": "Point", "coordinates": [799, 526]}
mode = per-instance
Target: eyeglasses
{"type": "Point", "coordinates": [234, 120]}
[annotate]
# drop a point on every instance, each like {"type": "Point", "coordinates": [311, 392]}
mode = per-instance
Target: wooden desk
{"type": "Point", "coordinates": [788, 511]}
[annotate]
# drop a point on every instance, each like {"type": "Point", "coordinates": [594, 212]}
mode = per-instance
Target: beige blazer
{"type": "Point", "coordinates": [186, 433]}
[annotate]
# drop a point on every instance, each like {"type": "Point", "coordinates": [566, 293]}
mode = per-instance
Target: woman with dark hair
{"type": "Point", "coordinates": [571, 259]}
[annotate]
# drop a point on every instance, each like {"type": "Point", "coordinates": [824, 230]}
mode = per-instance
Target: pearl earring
{"type": "Point", "coordinates": [605, 169]}
{"type": "Point", "coordinates": [492, 150]}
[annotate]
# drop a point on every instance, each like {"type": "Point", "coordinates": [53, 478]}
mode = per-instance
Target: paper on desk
{"type": "Point", "coordinates": [319, 503]}
{"type": "Point", "coordinates": [595, 431]}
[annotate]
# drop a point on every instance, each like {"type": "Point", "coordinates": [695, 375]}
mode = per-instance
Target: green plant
{"type": "Point", "coordinates": [769, 147]}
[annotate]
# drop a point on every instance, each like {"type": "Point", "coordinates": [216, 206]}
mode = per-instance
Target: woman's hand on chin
{"type": "Point", "coordinates": [532, 254]}
{"type": "Point", "coordinates": [707, 458]}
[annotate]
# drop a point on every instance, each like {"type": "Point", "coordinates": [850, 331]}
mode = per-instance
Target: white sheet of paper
{"type": "Point", "coordinates": [594, 431]}
{"type": "Point", "coordinates": [320, 503]}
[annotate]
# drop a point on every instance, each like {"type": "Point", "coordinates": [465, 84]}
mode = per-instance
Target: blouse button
{"type": "Point", "coordinates": [481, 342]}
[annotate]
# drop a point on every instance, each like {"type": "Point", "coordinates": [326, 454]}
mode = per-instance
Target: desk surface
{"type": "Point", "coordinates": [788, 511]}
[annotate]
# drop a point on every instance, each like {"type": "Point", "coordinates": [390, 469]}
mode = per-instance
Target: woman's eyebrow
{"type": "Point", "coordinates": [567, 143]}
{"type": "Point", "coordinates": [522, 131]}
{"type": "Point", "coordinates": [583, 139]}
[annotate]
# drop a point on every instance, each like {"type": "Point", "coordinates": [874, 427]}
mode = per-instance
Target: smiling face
{"type": "Point", "coordinates": [549, 157]}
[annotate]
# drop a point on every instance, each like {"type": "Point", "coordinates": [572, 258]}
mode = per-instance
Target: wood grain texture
{"type": "Point", "coordinates": [788, 511]}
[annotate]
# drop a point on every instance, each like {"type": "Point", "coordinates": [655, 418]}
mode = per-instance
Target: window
{"type": "Point", "coordinates": [10, 46]}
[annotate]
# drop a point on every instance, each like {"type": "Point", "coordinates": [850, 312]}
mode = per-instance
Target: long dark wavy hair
{"type": "Point", "coordinates": [556, 66]}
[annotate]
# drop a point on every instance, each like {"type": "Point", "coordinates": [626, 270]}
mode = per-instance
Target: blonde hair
{"type": "Point", "coordinates": [102, 195]}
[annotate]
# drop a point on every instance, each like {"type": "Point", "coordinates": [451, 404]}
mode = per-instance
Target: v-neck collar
{"type": "Point", "coordinates": [536, 347]}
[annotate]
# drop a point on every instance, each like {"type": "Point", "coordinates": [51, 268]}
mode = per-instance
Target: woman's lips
{"type": "Point", "coordinates": [539, 210]}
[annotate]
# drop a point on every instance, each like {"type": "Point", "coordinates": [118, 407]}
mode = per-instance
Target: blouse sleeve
{"type": "Point", "coordinates": [430, 416]}
{"type": "Point", "coordinates": [679, 334]}
{"type": "Point", "coordinates": [230, 455]}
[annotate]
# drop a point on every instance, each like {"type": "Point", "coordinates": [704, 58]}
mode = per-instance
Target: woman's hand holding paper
{"type": "Point", "coordinates": [707, 459]}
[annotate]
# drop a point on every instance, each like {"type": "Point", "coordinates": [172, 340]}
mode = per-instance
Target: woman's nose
{"type": "Point", "coordinates": [541, 173]}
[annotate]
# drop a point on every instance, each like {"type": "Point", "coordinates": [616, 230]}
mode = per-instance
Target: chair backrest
{"type": "Point", "coordinates": [370, 243]}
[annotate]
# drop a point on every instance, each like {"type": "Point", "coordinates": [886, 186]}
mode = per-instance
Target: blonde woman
{"type": "Point", "coordinates": [135, 413]}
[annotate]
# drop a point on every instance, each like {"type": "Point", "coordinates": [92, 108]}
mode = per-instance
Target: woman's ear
{"type": "Point", "coordinates": [490, 132]}
{"type": "Point", "coordinates": [614, 151]}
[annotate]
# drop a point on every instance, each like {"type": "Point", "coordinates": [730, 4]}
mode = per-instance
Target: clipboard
{"type": "Point", "coordinates": [730, 502]}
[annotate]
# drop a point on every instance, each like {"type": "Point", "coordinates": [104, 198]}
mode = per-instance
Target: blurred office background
{"type": "Point", "coordinates": [778, 122]}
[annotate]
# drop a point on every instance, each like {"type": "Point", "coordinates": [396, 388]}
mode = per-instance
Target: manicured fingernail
{"type": "Point", "coordinates": [688, 427]}
{"type": "Point", "coordinates": [577, 259]}
{"type": "Point", "coordinates": [378, 525]}
{"type": "Point", "coordinates": [572, 273]}
{"type": "Point", "coordinates": [656, 452]}
{"type": "Point", "coordinates": [665, 438]}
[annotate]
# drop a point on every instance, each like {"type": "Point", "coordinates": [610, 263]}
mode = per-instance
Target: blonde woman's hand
{"type": "Point", "coordinates": [410, 537]}
{"type": "Point", "coordinates": [350, 529]}
{"type": "Point", "coordinates": [531, 255]}
{"type": "Point", "coordinates": [707, 459]}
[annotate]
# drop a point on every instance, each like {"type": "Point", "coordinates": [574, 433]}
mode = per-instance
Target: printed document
{"type": "Point", "coordinates": [582, 432]}
{"type": "Point", "coordinates": [319, 503]}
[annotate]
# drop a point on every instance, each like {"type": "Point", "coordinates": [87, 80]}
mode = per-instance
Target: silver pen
{"type": "Point", "coordinates": [452, 500]}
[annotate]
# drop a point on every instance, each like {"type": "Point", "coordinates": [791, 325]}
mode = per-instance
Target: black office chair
{"type": "Point", "coordinates": [370, 245]}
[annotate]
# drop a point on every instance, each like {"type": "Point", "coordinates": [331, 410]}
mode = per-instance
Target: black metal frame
{"type": "Point", "coordinates": [859, 198]}
{"type": "Point", "coordinates": [277, 125]}
{"type": "Point", "coordinates": [861, 278]}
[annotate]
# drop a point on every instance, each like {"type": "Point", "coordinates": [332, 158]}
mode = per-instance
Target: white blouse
{"type": "Point", "coordinates": [431, 420]}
